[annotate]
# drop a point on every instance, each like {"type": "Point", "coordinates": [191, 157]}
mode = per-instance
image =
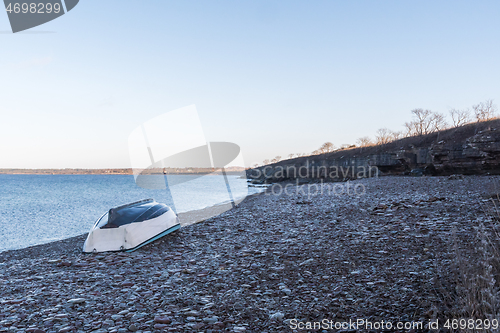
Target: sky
{"type": "Point", "coordinates": [274, 77]}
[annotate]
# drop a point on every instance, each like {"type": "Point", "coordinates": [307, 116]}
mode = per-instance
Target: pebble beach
{"type": "Point", "coordinates": [278, 259]}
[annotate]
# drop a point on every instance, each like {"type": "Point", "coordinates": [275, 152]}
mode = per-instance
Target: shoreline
{"type": "Point", "coordinates": [186, 219]}
{"type": "Point", "coordinates": [381, 256]}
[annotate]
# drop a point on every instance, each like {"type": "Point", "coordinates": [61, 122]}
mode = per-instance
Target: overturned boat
{"type": "Point", "coordinates": [131, 226]}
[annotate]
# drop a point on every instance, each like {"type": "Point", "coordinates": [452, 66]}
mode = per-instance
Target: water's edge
{"type": "Point", "coordinates": [186, 219]}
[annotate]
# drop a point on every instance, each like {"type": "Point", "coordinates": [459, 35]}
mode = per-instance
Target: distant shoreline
{"type": "Point", "coordinates": [66, 171]}
{"type": "Point", "coordinates": [125, 171]}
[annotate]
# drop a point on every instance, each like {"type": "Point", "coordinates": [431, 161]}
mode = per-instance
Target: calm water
{"type": "Point", "coordinates": [36, 209]}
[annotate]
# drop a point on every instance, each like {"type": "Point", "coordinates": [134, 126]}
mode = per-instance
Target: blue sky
{"type": "Point", "coordinates": [275, 77]}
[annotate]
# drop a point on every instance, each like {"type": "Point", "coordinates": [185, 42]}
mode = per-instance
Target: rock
{"type": "Point", "coordinates": [277, 316]}
{"type": "Point", "coordinates": [137, 316]}
{"type": "Point", "coordinates": [133, 327]}
{"type": "Point", "coordinates": [160, 326]}
{"type": "Point", "coordinates": [307, 262]}
{"type": "Point", "coordinates": [64, 264]}
{"type": "Point", "coordinates": [417, 172]}
{"type": "Point", "coordinates": [162, 320]}
{"type": "Point", "coordinates": [76, 300]}
{"type": "Point", "coordinates": [108, 322]}
{"type": "Point", "coordinates": [52, 261]}
{"type": "Point", "coordinates": [127, 284]}
{"type": "Point", "coordinates": [192, 313]}
{"type": "Point", "coordinates": [100, 330]}
{"type": "Point", "coordinates": [211, 320]}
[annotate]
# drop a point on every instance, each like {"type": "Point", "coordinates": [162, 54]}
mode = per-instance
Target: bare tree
{"type": "Point", "coordinates": [290, 156]}
{"type": "Point", "coordinates": [425, 122]}
{"type": "Point", "coordinates": [345, 146]}
{"type": "Point", "coordinates": [364, 141]}
{"type": "Point", "coordinates": [438, 122]}
{"type": "Point", "coordinates": [485, 110]}
{"type": "Point", "coordinates": [276, 159]}
{"type": "Point", "coordinates": [327, 147]}
{"type": "Point", "coordinates": [410, 129]}
{"type": "Point", "coordinates": [460, 117]}
{"type": "Point", "coordinates": [265, 162]}
{"type": "Point", "coordinates": [383, 136]}
{"type": "Point", "coordinates": [395, 135]}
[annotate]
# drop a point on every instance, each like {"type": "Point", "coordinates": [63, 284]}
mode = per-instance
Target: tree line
{"type": "Point", "coordinates": [423, 122]}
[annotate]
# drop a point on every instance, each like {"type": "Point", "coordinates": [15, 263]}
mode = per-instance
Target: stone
{"type": "Point", "coordinates": [108, 322]}
{"type": "Point", "coordinates": [64, 264]}
{"type": "Point", "coordinates": [307, 262]}
{"type": "Point", "coordinates": [127, 284]}
{"type": "Point", "coordinates": [162, 320]}
{"type": "Point", "coordinates": [192, 313]}
{"type": "Point", "coordinates": [76, 300]}
{"type": "Point", "coordinates": [277, 316]}
{"type": "Point", "coordinates": [160, 326]}
{"type": "Point", "coordinates": [211, 320]}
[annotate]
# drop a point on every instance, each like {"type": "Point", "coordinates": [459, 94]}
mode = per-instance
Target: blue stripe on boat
{"type": "Point", "coordinates": [166, 232]}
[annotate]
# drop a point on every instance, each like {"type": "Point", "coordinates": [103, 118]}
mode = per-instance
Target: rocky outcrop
{"type": "Point", "coordinates": [479, 154]}
{"type": "Point", "coordinates": [473, 149]}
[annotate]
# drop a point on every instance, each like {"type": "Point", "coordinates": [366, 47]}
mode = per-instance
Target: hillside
{"type": "Point", "coordinates": [470, 149]}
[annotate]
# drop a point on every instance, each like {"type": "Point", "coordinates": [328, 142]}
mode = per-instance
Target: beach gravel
{"type": "Point", "coordinates": [383, 255]}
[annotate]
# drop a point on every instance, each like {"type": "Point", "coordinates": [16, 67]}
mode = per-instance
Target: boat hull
{"type": "Point", "coordinates": [131, 236]}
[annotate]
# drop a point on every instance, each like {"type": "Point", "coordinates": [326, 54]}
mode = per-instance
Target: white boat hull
{"type": "Point", "coordinates": [131, 236]}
